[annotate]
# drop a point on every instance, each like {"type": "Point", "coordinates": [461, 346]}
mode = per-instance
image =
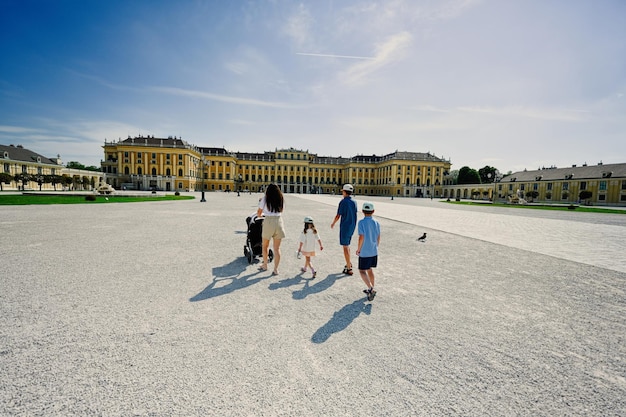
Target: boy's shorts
{"type": "Point", "coordinates": [368, 262]}
{"type": "Point", "coordinates": [273, 228]}
{"type": "Point", "coordinates": [345, 236]}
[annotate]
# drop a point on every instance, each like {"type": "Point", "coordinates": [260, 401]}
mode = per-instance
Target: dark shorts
{"type": "Point", "coordinates": [367, 263]}
{"type": "Point", "coordinates": [345, 236]}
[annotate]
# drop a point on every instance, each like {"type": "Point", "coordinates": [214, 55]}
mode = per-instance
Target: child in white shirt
{"type": "Point", "coordinates": [308, 238]}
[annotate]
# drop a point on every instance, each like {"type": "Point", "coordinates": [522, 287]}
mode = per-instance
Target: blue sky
{"type": "Point", "coordinates": [511, 84]}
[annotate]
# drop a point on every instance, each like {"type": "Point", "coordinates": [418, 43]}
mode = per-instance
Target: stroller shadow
{"type": "Point", "coordinates": [341, 320]}
{"type": "Point", "coordinates": [229, 272]}
{"type": "Point", "coordinates": [319, 286]}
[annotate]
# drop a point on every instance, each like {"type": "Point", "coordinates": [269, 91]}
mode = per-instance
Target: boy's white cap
{"type": "Point", "coordinates": [348, 187]}
{"type": "Point", "coordinates": [308, 219]}
{"type": "Point", "coordinates": [368, 206]}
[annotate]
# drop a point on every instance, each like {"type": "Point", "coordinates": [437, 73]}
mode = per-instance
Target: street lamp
{"type": "Point", "coordinates": [496, 177]}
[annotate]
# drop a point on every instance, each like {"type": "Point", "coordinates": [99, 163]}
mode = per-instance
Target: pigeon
{"type": "Point", "coordinates": [422, 238]}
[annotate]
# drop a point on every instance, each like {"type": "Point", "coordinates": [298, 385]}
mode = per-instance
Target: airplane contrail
{"type": "Point", "coordinates": [335, 56]}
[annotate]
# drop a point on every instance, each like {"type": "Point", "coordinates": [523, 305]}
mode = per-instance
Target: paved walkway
{"type": "Point", "coordinates": [152, 309]}
{"type": "Point", "coordinates": [590, 238]}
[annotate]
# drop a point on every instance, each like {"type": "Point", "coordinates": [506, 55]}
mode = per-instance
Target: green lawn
{"type": "Point", "coordinates": [19, 199]}
{"type": "Point", "coordinates": [585, 209]}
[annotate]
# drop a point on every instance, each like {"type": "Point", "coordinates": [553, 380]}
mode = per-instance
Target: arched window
{"type": "Point", "coordinates": [180, 172]}
{"type": "Point", "coordinates": [139, 171]}
{"type": "Point", "coordinates": [153, 171]}
{"type": "Point", "coordinates": [126, 170]}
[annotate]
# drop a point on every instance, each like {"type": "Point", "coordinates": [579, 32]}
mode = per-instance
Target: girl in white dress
{"type": "Point", "coordinates": [308, 238]}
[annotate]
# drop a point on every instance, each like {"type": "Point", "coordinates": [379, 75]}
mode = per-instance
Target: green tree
{"type": "Point", "coordinates": [66, 180]}
{"type": "Point", "coordinates": [78, 165]}
{"type": "Point", "coordinates": [487, 174]}
{"type": "Point", "coordinates": [468, 175]}
{"type": "Point", "coordinates": [585, 195]}
{"type": "Point", "coordinates": [75, 165]}
{"type": "Point", "coordinates": [40, 180]}
{"type": "Point", "coordinates": [531, 195]}
{"type": "Point", "coordinates": [5, 179]}
{"type": "Point", "coordinates": [23, 178]}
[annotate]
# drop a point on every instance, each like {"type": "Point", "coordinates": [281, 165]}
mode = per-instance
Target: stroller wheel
{"type": "Point", "coordinates": [270, 255]}
{"type": "Point", "coordinates": [247, 254]}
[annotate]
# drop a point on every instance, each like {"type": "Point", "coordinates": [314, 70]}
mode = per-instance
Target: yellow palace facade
{"type": "Point", "coordinates": [171, 164]}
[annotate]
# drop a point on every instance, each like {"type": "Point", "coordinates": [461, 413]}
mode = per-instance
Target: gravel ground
{"type": "Point", "coordinates": [152, 309]}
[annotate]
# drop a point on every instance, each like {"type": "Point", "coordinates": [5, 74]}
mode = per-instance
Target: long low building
{"type": "Point", "coordinates": [170, 164]}
{"type": "Point", "coordinates": [23, 169]}
{"type": "Point", "coordinates": [601, 184]}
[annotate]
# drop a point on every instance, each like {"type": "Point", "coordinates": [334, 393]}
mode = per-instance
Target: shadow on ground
{"type": "Point", "coordinates": [341, 320]}
{"type": "Point", "coordinates": [318, 287]}
{"type": "Point", "coordinates": [230, 275]}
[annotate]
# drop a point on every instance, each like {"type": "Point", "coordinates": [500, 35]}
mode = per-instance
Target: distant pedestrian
{"type": "Point", "coordinates": [346, 211]}
{"type": "Point", "coordinates": [308, 238]}
{"type": "Point", "coordinates": [369, 240]}
{"type": "Point", "coordinates": [271, 206]}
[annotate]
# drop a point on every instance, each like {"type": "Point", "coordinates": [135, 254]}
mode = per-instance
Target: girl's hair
{"type": "Point", "coordinates": [274, 198]}
{"type": "Point", "coordinates": [306, 227]}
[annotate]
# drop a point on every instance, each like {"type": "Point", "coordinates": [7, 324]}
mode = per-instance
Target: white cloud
{"type": "Point", "coordinates": [386, 53]}
{"type": "Point", "coordinates": [298, 27]}
{"type": "Point", "coordinates": [221, 98]}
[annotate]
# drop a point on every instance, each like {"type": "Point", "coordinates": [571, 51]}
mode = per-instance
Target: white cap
{"type": "Point", "coordinates": [348, 187]}
{"type": "Point", "coordinates": [368, 206]}
{"type": "Point", "coordinates": [308, 219]}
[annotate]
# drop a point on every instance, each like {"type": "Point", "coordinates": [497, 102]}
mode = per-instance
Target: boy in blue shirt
{"type": "Point", "coordinates": [369, 239]}
{"type": "Point", "coordinates": [346, 211]}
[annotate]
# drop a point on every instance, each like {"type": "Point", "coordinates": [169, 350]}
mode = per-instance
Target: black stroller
{"type": "Point", "coordinates": [254, 241]}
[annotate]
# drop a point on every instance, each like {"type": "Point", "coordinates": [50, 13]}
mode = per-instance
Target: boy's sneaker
{"type": "Point", "coordinates": [314, 273]}
{"type": "Point", "coordinates": [347, 270]}
{"type": "Point", "coordinates": [372, 294]}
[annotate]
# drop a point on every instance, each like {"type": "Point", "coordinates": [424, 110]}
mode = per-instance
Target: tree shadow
{"type": "Point", "coordinates": [231, 274]}
{"type": "Point", "coordinates": [341, 320]}
{"type": "Point", "coordinates": [319, 286]}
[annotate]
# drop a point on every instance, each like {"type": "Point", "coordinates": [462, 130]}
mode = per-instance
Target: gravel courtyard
{"type": "Point", "coordinates": [151, 309]}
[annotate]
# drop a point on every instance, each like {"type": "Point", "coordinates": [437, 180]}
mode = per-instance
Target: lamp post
{"type": "Point", "coordinates": [495, 177]}
{"type": "Point", "coordinates": [202, 200]}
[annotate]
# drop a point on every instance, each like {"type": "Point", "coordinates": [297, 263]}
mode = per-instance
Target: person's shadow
{"type": "Point", "coordinates": [319, 286]}
{"type": "Point", "coordinates": [230, 272]}
{"type": "Point", "coordinates": [341, 320]}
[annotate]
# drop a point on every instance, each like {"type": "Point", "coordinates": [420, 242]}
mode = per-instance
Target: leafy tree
{"type": "Point", "coordinates": [487, 174]}
{"type": "Point", "coordinates": [78, 165]}
{"type": "Point", "coordinates": [75, 165]}
{"type": "Point", "coordinates": [66, 180]}
{"type": "Point", "coordinates": [54, 180]}
{"type": "Point", "coordinates": [468, 175]}
{"type": "Point", "coordinates": [40, 181]}
{"type": "Point", "coordinates": [585, 195]}
{"type": "Point", "coordinates": [531, 195]}
{"type": "Point", "coordinates": [5, 179]}
{"type": "Point", "coordinates": [23, 178]}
